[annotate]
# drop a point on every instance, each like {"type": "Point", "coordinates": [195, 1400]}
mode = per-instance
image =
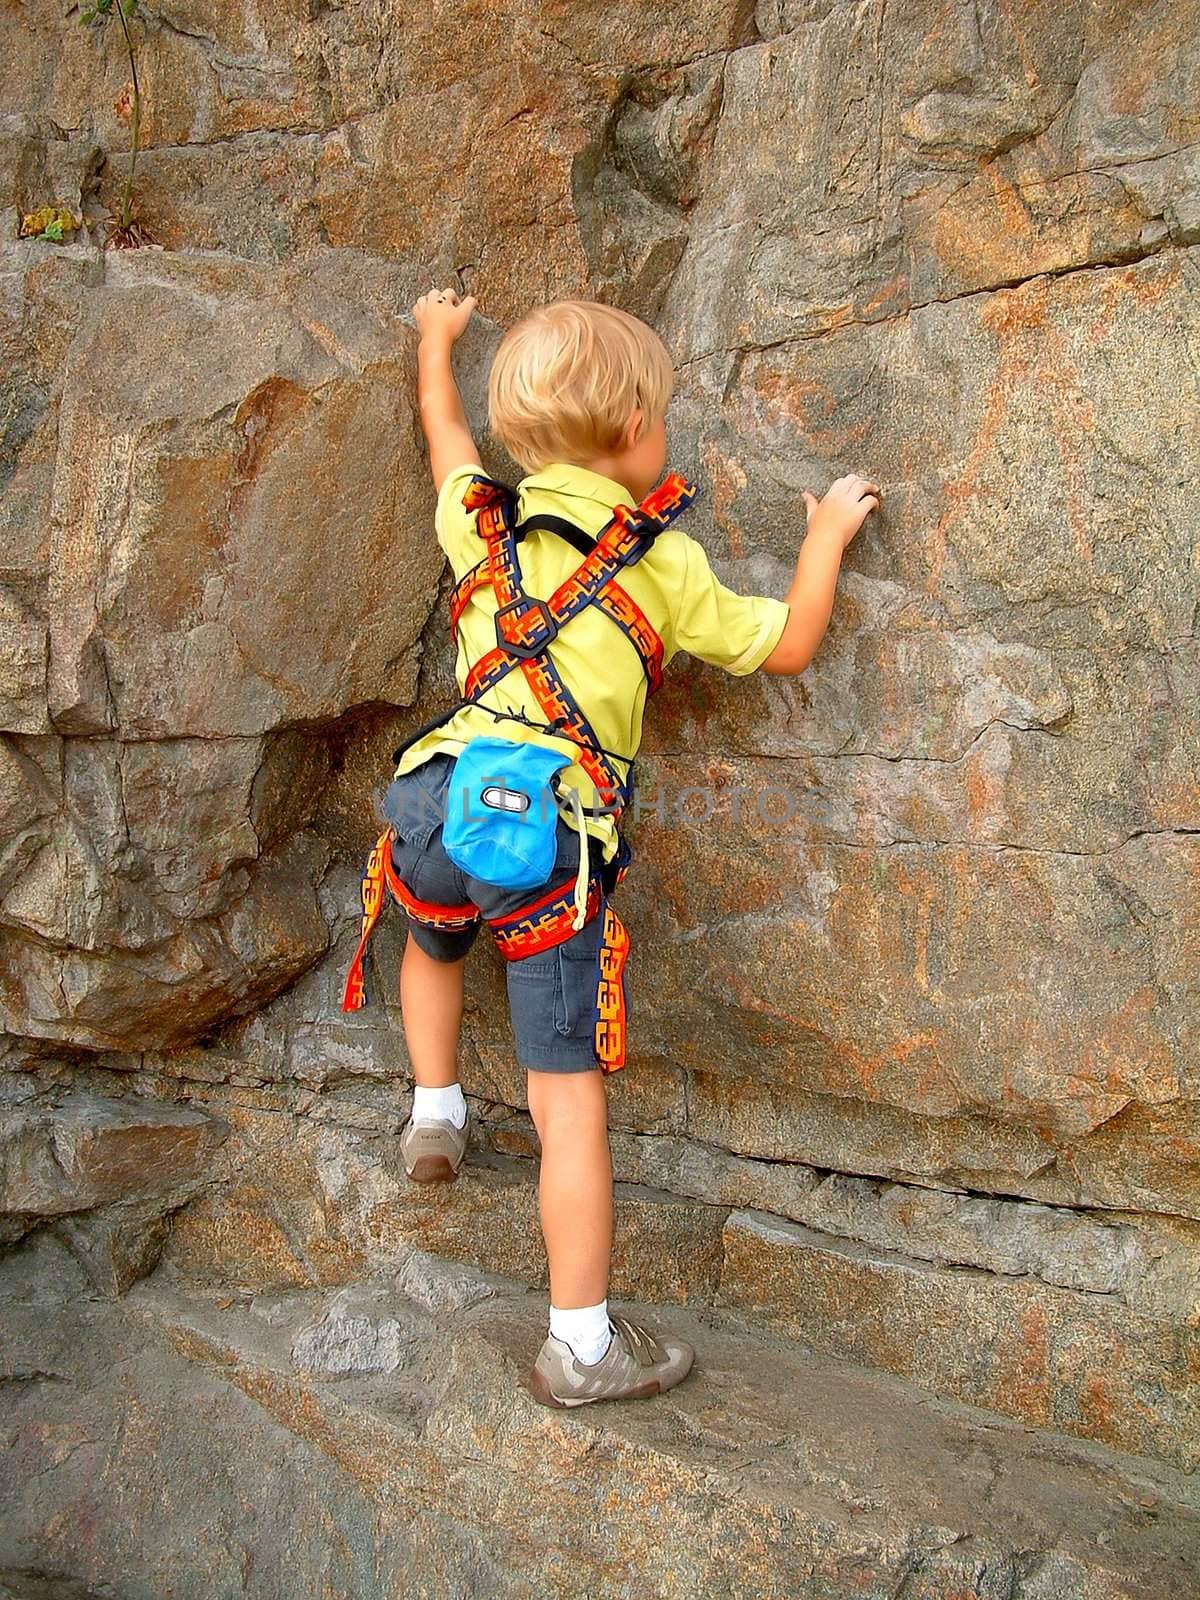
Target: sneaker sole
{"type": "Point", "coordinates": [539, 1387]}
{"type": "Point", "coordinates": [432, 1169]}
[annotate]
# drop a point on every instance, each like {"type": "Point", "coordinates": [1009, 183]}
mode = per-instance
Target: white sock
{"type": "Point", "coordinates": [585, 1328]}
{"type": "Point", "coordinates": [445, 1105]}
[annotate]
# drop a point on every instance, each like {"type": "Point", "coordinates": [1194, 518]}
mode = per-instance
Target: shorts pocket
{"type": "Point", "coordinates": [578, 971]}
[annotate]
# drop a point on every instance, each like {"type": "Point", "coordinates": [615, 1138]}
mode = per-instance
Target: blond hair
{"type": "Point", "coordinates": [568, 375]}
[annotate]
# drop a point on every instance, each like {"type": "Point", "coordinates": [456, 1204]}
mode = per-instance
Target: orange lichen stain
{"type": "Point", "coordinates": [1128, 1059]}
{"type": "Point", "coordinates": [1015, 311]}
{"type": "Point", "coordinates": [866, 1068]}
{"type": "Point", "coordinates": [1145, 287]}
{"type": "Point", "coordinates": [923, 1086]}
{"type": "Point", "coordinates": [1128, 85]}
{"type": "Point", "coordinates": [1013, 213]}
{"type": "Point", "coordinates": [837, 318]}
{"type": "Point", "coordinates": [1148, 288]}
{"type": "Point", "coordinates": [1024, 1390]}
{"type": "Point", "coordinates": [863, 1068]}
{"type": "Point", "coordinates": [986, 231]}
{"type": "Point", "coordinates": [983, 800]}
{"type": "Point", "coordinates": [1031, 72]}
{"type": "Point", "coordinates": [795, 398]}
{"type": "Point", "coordinates": [1100, 1407]}
{"type": "Point", "coordinates": [1003, 1089]}
{"type": "Point", "coordinates": [894, 291]}
{"type": "Point", "coordinates": [965, 878]}
{"type": "Point", "coordinates": [806, 403]}
{"type": "Point", "coordinates": [727, 479]}
{"type": "Point", "coordinates": [1110, 293]}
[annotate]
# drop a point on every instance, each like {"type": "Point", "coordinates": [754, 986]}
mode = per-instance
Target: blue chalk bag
{"type": "Point", "coordinates": [501, 815]}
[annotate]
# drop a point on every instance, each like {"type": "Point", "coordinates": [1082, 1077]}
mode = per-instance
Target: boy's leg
{"type": "Point", "coordinates": [575, 1194]}
{"type": "Point", "coordinates": [553, 998]}
{"type": "Point", "coordinates": [431, 970]}
{"type": "Point", "coordinates": [431, 1004]}
{"type": "Point", "coordinates": [575, 1184]}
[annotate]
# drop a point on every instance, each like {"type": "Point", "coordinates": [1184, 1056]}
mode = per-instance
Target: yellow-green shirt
{"type": "Point", "coordinates": [673, 584]}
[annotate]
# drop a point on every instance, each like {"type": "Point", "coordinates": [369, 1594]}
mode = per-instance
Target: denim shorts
{"type": "Point", "coordinates": [552, 995]}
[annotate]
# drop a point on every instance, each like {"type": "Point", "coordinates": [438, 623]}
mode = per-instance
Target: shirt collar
{"type": "Point", "coordinates": [564, 478]}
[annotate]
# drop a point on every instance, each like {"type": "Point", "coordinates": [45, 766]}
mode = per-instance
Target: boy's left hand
{"type": "Point", "coordinates": [441, 314]}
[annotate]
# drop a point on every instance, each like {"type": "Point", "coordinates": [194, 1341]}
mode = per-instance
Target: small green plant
{"type": "Point", "coordinates": [124, 233]}
{"type": "Point", "coordinates": [48, 222]}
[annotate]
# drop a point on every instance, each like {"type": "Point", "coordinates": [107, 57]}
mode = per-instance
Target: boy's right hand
{"type": "Point", "coordinates": [440, 314]}
{"type": "Point", "coordinates": [846, 506]}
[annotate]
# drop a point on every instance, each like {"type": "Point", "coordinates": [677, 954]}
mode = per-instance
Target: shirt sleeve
{"type": "Point", "coordinates": [454, 524]}
{"type": "Point", "coordinates": [736, 632]}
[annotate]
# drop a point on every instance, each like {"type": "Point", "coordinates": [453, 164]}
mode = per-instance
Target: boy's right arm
{"type": "Point", "coordinates": [832, 523]}
{"type": "Point", "coordinates": [441, 317]}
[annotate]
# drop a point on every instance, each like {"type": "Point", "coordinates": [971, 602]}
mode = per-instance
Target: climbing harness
{"type": "Point", "coordinates": [525, 626]}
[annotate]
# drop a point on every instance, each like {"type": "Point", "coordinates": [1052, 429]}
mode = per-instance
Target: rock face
{"type": "Point", "coordinates": [916, 949]}
{"type": "Point", "coordinates": [231, 445]}
{"type": "Point", "coordinates": [106, 1173]}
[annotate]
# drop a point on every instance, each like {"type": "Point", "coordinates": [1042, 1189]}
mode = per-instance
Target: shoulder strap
{"type": "Point", "coordinates": [583, 542]}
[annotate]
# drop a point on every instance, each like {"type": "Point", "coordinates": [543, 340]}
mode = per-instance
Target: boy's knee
{"type": "Point", "coordinates": [562, 1099]}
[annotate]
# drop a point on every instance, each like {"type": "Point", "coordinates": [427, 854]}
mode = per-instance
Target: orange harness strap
{"type": "Point", "coordinates": [610, 993]}
{"type": "Point", "coordinates": [525, 626]}
{"type": "Point", "coordinates": [544, 922]}
{"type": "Point", "coordinates": [354, 995]}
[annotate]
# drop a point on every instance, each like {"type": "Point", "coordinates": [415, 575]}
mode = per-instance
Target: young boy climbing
{"type": "Point", "coordinates": [571, 594]}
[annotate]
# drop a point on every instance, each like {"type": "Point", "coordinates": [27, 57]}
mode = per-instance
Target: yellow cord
{"type": "Point", "coordinates": [581, 876]}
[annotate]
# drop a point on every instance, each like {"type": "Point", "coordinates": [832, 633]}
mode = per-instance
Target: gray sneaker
{"type": "Point", "coordinates": [636, 1364]}
{"type": "Point", "coordinates": [433, 1150]}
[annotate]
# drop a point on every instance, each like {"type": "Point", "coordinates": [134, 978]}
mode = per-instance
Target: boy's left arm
{"type": "Point", "coordinates": [441, 317]}
{"type": "Point", "coordinates": [743, 632]}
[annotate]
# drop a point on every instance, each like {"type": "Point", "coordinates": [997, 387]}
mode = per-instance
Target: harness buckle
{"type": "Point", "coordinates": [527, 605]}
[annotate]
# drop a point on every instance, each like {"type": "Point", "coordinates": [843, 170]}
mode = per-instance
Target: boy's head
{"type": "Point", "coordinates": [583, 382]}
